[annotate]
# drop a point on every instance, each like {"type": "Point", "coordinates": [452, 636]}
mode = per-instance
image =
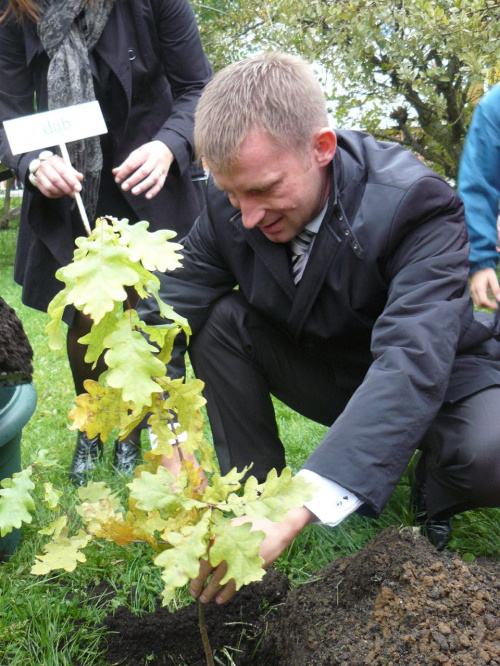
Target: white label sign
{"type": "Point", "coordinates": [52, 128]}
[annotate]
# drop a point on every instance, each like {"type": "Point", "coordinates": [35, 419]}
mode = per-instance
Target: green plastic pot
{"type": "Point", "coordinates": [17, 404]}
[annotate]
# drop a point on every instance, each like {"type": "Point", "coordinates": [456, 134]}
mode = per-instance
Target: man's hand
{"type": "Point", "coordinates": [278, 537]}
{"type": "Point", "coordinates": [174, 465]}
{"type": "Point", "coordinates": [480, 282]}
{"type": "Point", "coordinates": [498, 233]}
{"type": "Point", "coordinates": [54, 178]}
{"type": "Point", "coordinates": [145, 169]}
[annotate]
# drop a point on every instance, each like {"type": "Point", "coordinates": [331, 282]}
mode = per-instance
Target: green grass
{"type": "Point", "coordinates": [54, 620]}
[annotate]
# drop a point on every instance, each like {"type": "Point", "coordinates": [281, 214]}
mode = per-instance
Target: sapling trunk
{"type": "Point", "coordinates": [204, 635]}
{"type": "Point", "coordinates": [201, 613]}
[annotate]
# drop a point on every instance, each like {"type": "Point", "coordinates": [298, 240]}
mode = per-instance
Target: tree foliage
{"type": "Point", "coordinates": [182, 518]}
{"type": "Point", "coordinates": [409, 71]}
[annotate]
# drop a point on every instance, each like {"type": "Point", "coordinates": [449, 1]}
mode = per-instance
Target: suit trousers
{"type": "Point", "coordinates": [243, 358]}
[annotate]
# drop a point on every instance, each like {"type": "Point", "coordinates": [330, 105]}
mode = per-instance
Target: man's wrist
{"type": "Point", "coordinates": [296, 519]}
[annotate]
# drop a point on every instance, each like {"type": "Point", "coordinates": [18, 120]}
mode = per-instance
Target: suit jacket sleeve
{"type": "Point", "coordinates": [188, 71]}
{"type": "Point", "coordinates": [413, 347]}
{"type": "Point", "coordinates": [192, 289]}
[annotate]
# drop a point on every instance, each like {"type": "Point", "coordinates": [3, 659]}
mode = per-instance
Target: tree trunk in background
{"type": "Point", "coordinates": [8, 214]}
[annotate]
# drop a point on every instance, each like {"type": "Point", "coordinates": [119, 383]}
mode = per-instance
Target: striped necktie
{"type": "Point", "coordinates": [299, 247]}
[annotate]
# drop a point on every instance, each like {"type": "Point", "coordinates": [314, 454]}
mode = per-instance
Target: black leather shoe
{"type": "Point", "coordinates": [87, 452]}
{"type": "Point", "coordinates": [127, 456]}
{"type": "Point", "coordinates": [438, 531]}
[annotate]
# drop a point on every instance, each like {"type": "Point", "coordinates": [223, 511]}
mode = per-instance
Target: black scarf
{"type": "Point", "coordinates": [69, 30]}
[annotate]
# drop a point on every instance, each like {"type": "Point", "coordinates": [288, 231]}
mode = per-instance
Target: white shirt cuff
{"type": "Point", "coordinates": [331, 502]}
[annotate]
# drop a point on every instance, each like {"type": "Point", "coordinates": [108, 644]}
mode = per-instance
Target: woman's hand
{"type": "Point", "coordinates": [54, 178]}
{"type": "Point", "coordinates": [145, 169]}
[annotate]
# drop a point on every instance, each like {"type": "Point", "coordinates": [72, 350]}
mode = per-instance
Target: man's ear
{"type": "Point", "coordinates": [324, 146]}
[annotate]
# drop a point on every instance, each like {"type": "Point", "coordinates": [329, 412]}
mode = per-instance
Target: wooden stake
{"type": "Point", "coordinates": [81, 207]}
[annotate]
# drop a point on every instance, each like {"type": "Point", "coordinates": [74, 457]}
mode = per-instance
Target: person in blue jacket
{"type": "Point", "coordinates": [479, 189]}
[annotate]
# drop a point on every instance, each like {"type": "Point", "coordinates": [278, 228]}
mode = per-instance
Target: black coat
{"type": "Point", "coordinates": [386, 287]}
{"type": "Point", "coordinates": [158, 70]}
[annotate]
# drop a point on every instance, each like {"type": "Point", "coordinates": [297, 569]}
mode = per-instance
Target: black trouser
{"type": "Point", "coordinates": [242, 359]}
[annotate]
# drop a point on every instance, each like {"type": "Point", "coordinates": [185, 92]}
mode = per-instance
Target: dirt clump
{"type": "Point", "coordinates": [16, 353]}
{"type": "Point", "coordinates": [397, 601]}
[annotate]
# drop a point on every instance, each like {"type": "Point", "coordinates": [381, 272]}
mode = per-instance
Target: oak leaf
{"type": "Point", "coordinates": [99, 411]}
{"type": "Point", "coordinates": [131, 362]}
{"type": "Point", "coordinates": [16, 501]}
{"type": "Point", "coordinates": [98, 280]}
{"type": "Point", "coordinates": [272, 499]}
{"type": "Point", "coordinates": [182, 562]}
{"type": "Point", "coordinates": [152, 249]}
{"type": "Point", "coordinates": [239, 548]}
{"type": "Point", "coordinates": [63, 552]}
{"type": "Point", "coordinates": [155, 492]}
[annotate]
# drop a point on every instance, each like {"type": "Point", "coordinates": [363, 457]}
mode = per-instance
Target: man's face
{"type": "Point", "coordinates": [279, 191]}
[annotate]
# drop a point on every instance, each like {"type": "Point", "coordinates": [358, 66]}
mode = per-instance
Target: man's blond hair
{"type": "Point", "coordinates": [276, 93]}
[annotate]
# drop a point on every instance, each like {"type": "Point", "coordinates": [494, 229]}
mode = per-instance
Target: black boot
{"type": "Point", "coordinates": [86, 454]}
{"type": "Point", "coordinates": [438, 531]}
{"type": "Point", "coordinates": [127, 456]}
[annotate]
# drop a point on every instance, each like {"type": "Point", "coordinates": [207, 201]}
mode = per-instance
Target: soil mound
{"type": "Point", "coordinates": [398, 601]}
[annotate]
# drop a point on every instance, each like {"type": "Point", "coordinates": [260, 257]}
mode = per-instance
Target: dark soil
{"type": "Point", "coordinates": [398, 601]}
{"type": "Point", "coordinates": [174, 638]}
{"type": "Point", "coordinates": [16, 353]}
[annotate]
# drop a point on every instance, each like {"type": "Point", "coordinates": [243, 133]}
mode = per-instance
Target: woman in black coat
{"type": "Point", "coordinates": [144, 62]}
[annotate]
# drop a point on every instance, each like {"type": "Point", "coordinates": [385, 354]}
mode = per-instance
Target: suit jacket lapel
{"type": "Point", "coordinates": [273, 255]}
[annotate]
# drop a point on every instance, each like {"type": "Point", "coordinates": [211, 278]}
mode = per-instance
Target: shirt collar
{"type": "Point", "coordinates": [315, 224]}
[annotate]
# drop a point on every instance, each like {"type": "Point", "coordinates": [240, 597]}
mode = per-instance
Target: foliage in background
{"type": "Point", "coordinates": [408, 71]}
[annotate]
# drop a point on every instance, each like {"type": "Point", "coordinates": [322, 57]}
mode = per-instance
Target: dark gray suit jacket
{"type": "Point", "coordinates": [385, 290]}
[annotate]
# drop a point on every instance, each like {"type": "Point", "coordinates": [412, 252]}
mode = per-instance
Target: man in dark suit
{"type": "Point", "coordinates": [363, 323]}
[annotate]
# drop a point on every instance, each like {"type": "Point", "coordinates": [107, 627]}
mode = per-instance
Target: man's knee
{"type": "Point", "coordinates": [230, 309]}
{"type": "Point", "coordinates": [466, 450]}
{"type": "Point", "coordinates": [228, 325]}
{"type": "Point", "coordinates": [223, 332]}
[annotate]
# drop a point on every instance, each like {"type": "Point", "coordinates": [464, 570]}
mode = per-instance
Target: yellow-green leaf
{"type": "Point", "coordinates": [62, 552]}
{"type": "Point", "coordinates": [132, 362]}
{"type": "Point", "coordinates": [51, 496]}
{"type": "Point", "coordinates": [272, 499]}
{"type": "Point", "coordinates": [152, 249]}
{"type": "Point", "coordinates": [239, 548]}
{"type": "Point", "coordinates": [154, 492]}
{"type": "Point", "coordinates": [16, 502]}
{"type": "Point", "coordinates": [99, 411]}
{"type": "Point", "coordinates": [182, 562]}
